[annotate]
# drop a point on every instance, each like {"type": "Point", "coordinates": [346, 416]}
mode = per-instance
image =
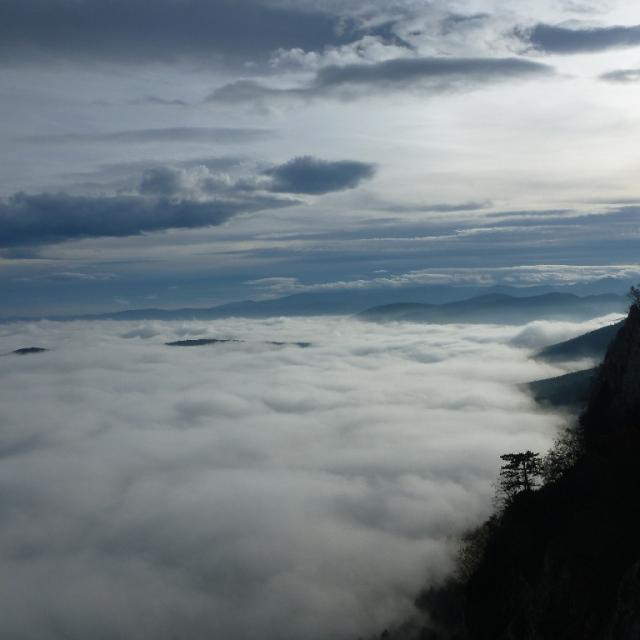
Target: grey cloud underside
{"type": "Point", "coordinates": [302, 175]}
{"type": "Point", "coordinates": [621, 76]}
{"type": "Point", "coordinates": [123, 170]}
{"type": "Point", "coordinates": [561, 40]}
{"type": "Point", "coordinates": [356, 79]}
{"type": "Point", "coordinates": [435, 207]}
{"type": "Point", "coordinates": [314, 176]}
{"type": "Point", "coordinates": [169, 197]}
{"type": "Point", "coordinates": [47, 218]}
{"type": "Point", "coordinates": [204, 135]}
{"type": "Point", "coordinates": [401, 71]}
{"type": "Point", "coordinates": [164, 30]}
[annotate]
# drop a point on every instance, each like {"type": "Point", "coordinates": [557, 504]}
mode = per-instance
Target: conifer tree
{"type": "Point", "coordinates": [634, 296]}
{"type": "Point", "coordinates": [521, 473]}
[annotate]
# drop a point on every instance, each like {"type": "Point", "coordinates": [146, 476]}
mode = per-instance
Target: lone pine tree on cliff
{"type": "Point", "coordinates": [520, 473]}
{"type": "Point", "coordinates": [634, 296]}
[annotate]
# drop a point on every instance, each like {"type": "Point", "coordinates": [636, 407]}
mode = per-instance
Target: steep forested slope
{"type": "Point", "coordinates": [561, 562]}
{"type": "Point", "coordinates": [564, 562]}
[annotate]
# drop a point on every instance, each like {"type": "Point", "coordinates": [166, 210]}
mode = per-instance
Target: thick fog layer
{"type": "Point", "coordinates": [248, 489]}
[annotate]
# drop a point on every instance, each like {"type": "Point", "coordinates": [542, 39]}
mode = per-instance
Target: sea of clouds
{"type": "Point", "coordinates": [249, 490]}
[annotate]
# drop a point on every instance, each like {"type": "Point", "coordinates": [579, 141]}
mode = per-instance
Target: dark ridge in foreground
{"type": "Point", "coordinates": [589, 345]}
{"type": "Point", "coordinates": [561, 562]}
{"type": "Point", "coordinates": [25, 351]}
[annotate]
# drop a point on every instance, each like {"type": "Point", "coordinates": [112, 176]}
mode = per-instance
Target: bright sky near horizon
{"type": "Point", "coordinates": [194, 152]}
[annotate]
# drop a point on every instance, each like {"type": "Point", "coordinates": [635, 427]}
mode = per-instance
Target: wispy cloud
{"type": "Point", "coordinates": [520, 276]}
{"type": "Point", "coordinates": [188, 135]}
{"type": "Point", "coordinates": [564, 40]}
{"type": "Point", "coordinates": [621, 76]}
{"type": "Point", "coordinates": [351, 81]}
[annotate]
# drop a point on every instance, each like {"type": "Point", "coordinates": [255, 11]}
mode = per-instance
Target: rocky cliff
{"type": "Point", "coordinates": [562, 562]}
{"type": "Point", "coordinates": [615, 400]}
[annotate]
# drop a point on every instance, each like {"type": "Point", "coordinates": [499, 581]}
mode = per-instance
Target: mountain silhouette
{"type": "Point", "coordinates": [501, 308]}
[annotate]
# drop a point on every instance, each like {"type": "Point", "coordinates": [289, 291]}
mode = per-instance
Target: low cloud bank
{"type": "Point", "coordinates": [169, 197]}
{"type": "Point", "coordinates": [49, 218]}
{"type": "Point", "coordinates": [351, 81]}
{"type": "Point", "coordinates": [248, 490]}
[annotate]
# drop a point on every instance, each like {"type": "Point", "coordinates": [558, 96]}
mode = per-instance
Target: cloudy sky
{"type": "Point", "coordinates": [193, 152]}
{"type": "Point", "coordinates": [250, 490]}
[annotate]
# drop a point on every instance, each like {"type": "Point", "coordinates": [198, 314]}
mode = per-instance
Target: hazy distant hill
{"type": "Point", "coordinates": [207, 342]}
{"type": "Point", "coordinates": [570, 390]}
{"type": "Point", "coordinates": [501, 308]}
{"type": "Point", "coordinates": [350, 301]}
{"type": "Point", "coordinates": [340, 302]}
{"type": "Point", "coordinates": [589, 345]}
{"type": "Point", "coordinates": [26, 351]}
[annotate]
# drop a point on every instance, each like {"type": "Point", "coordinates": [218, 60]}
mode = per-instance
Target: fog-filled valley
{"type": "Point", "coordinates": [303, 480]}
{"type": "Point", "coordinates": [319, 320]}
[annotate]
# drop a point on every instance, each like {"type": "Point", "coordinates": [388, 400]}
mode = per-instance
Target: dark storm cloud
{"type": "Point", "coordinates": [204, 135]}
{"type": "Point", "coordinates": [162, 30]}
{"type": "Point", "coordinates": [621, 76]}
{"type": "Point", "coordinates": [49, 218]}
{"type": "Point", "coordinates": [562, 40]}
{"type": "Point", "coordinates": [314, 176]}
{"type": "Point", "coordinates": [438, 74]}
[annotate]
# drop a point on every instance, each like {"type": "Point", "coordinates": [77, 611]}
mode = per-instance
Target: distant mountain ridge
{"type": "Point", "coordinates": [501, 308]}
{"type": "Point", "coordinates": [343, 301]}
{"type": "Point", "coordinates": [589, 345]}
{"type": "Point", "coordinates": [569, 391]}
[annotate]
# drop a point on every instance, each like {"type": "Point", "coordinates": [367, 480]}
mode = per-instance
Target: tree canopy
{"type": "Point", "coordinates": [634, 296]}
{"type": "Point", "coordinates": [521, 472]}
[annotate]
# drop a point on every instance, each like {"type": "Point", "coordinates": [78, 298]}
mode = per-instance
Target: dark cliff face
{"type": "Point", "coordinates": [615, 399]}
{"type": "Point", "coordinates": [563, 563]}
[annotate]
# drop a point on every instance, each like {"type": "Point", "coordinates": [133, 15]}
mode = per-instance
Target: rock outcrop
{"type": "Point", "coordinates": [562, 562]}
